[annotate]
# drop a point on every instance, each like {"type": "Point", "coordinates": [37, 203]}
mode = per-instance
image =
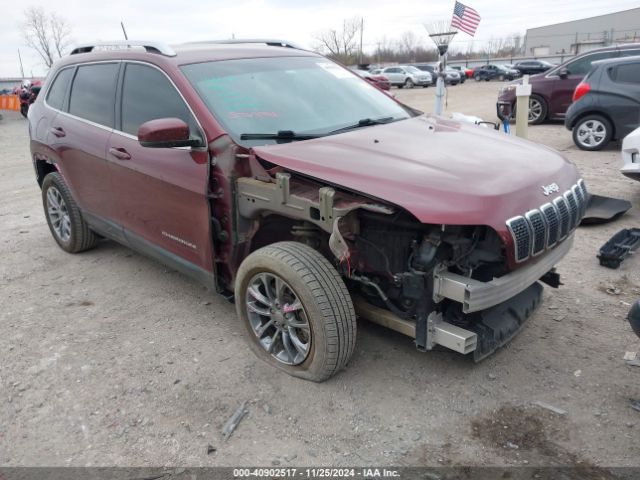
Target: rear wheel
{"type": "Point", "coordinates": [297, 310]}
{"type": "Point", "coordinates": [65, 220]}
{"type": "Point", "coordinates": [592, 132]}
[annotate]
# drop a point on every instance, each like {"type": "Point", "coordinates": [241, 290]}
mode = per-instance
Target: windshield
{"type": "Point", "coordinates": [305, 95]}
{"type": "Point", "coordinates": [413, 69]}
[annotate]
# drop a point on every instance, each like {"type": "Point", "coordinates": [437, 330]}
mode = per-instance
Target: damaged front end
{"type": "Point", "coordinates": [447, 285]}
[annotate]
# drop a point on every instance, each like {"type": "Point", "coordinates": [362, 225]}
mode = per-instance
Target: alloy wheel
{"type": "Point", "coordinates": [591, 133]}
{"type": "Point", "coordinates": [278, 318]}
{"type": "Point", "coordinates": [535, 109]}
{"type": "Point", "coordinates": [58, 214]}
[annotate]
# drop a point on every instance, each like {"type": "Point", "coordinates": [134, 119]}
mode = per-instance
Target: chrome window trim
{"type": "Point", "coordinates": [574, 218]}
{"type": "Point", "coordinates": [114, 130]}
{"type": "Point", "coordinates": [140, 62]}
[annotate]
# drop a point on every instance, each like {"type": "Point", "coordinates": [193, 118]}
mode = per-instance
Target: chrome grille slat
{"type": "Point", "coordinates": [573, 208]}
{"type": "Point", "coordinates": [539, 231]}
{"type": "Point", "coordinates": [543, 228]}
{"type": "Point", "coordinates": [552, 218]}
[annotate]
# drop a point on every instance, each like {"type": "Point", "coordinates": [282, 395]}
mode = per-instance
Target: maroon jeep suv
{"type": "Point", "coordinates": [294, 187]}
{"type": "Point", "coordinates": [552, 91]}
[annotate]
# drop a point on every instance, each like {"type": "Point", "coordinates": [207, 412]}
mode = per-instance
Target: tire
{"type": "Point", "coordinates": [409, 83]}
{"type": "Point", "coordinates": [67, 226]}
{"type": "Point", "coordinates": [476, 77]}
{"type": "Point", "coordinates": [24, 110]}
{"type": "Point", "coordinates": [311, 282]}
{"type": "Point", "coordinates": [592, 132]}
{"type": "Point", "coordinates": [537, 110]}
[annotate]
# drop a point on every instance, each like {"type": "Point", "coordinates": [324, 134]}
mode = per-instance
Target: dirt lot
{"type": "Point", "coordinates": [108, 358]}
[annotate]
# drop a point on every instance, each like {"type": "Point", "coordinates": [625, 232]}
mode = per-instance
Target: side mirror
{"type": "Point", "coordinates": [563, 73]}
{"type": "Point", "coordinates": [166, 133]}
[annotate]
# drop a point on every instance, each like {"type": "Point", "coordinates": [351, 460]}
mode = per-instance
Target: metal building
{"type": "Point", "coordinates": [582, 35]}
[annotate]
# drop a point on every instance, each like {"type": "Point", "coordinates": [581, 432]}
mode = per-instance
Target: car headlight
{"type": "Point", "coordinates": [507, 89]}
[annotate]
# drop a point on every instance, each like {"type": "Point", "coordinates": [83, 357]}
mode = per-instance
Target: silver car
{"type": "Point", "coordinates": [407, 76]}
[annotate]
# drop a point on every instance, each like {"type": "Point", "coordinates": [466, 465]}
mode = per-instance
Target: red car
{"type": "Point", "coordinates": [291, 185]}
{"type": "Point", "coordinates": [379, 81]}
{"type": "Point", "coordinates": [552, 91]}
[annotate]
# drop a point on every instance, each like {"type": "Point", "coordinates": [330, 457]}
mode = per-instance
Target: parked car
{"type": "Point", "coordinates": [493, 71]}
{"type": "Point", "coordinates": [606, 104]}
{"type": "Point", "coordinates": [532, 67]}
{"type": "Point", "coordinates": [452, 77]}
{"type": "Point", "coordinates": [466, 72]}
{"type": "Point", "coordinates": [407, 76]}
{"type": "Point", "coordinates": [295, 188]}
{"type": "Point", "coordinates": [631, 155]}
{"type": "Point", "coordinates": [379, 81]}
{"type": "Point", "coordinates": [463, 76]}
{"type": "Point", "coordinates": [552, 90]}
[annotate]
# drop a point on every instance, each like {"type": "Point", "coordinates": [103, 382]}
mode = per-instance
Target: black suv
{"type": "Point", "coordinates": [606, 104]}
{"type": "Point", "coordinates": [531, 67]}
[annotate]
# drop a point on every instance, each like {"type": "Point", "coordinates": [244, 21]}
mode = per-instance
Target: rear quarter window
{"type": "Point", "coordinates": [93, 93]}
{"type": "Point", "coordinates": [628, 73]}
{"type": "Point", "coordinates": [59, 87]}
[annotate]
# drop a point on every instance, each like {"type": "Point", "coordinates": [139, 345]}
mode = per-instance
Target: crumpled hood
{"type": "Point", "coordinates": [441, 171]}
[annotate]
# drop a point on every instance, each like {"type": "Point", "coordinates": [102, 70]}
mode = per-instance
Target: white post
{"type": "Point", "coordinates": [440, 90]}
{"type": "Point", "coordinates": [523, 92]}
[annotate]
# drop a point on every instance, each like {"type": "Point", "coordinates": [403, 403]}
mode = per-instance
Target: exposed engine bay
{"type": "Point", "coordinates": [393, 264]}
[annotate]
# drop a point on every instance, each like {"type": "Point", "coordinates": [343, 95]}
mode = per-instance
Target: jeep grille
{"type": "Point", "coordinates": [541, 228]}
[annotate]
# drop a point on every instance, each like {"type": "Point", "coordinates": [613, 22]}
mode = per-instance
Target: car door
{"type": "Point", "coordinates": [395, 75]}
{"type": "Point", "coordinates": [563, 87]}
{"type": "Point", "coordinates": [82, 129]}
{"type": "Point", "coordinates": [161, 192]}
{"type": "Point", "coordinates": [623, 102]}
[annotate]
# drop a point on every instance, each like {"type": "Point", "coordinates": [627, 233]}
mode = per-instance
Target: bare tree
{"type": "Point", "coordinates": [342, 45]}
{"type": "Point", "coordinates": [408, 43]}
{"type": "Point", "coordinates": [47, 33]}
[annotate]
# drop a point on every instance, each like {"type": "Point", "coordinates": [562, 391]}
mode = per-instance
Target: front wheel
{"type": "Point", "coordinates": [24, 110]}
{"type": "Point", "coordinates": [476, 77]}
{"type": "Point", "coordinates": [592, 132]}
{"type": "Point", "coordinates": [537, 110]}
{"type": "Point", "coordinates": [297, 310]}
{"type": "Point", "coordinates": [409, 83]}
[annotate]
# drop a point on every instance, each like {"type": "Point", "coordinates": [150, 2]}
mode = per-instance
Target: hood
{"type": "Point", "coordinates": [443, 172]}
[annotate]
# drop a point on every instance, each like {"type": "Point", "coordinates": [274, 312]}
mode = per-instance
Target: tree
{"type": "Point", "coordinates": [342, 45]}
{"type": "Point", "coordinates": [47, 33]}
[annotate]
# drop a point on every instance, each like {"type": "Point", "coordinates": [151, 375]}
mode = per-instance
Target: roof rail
{"type": "Point", "coordinates": [267, 41]}
{"type": "Point", "coordinates": [151, 47]}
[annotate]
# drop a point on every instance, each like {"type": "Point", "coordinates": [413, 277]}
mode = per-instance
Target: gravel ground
{"type": "Point", "coordinates": [109, 358]}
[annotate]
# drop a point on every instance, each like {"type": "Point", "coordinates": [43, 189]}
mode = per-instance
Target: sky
{"type": "Point", "coordinates": [294, 20]}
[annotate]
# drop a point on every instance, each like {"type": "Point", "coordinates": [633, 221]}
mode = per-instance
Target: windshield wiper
{"type": "Point", "coordinates": [280, 135]}
{"type": "Point", "coordinates": [365, 122]}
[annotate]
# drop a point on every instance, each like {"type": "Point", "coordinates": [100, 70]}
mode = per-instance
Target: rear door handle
{"type": "Point", "coordinates": [120, 153]}
{"type": "Point", "coordinates": [57, 131]}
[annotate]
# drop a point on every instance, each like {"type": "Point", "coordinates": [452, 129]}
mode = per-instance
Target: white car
{"type": "Point", "coordinates": [407, 76]}
{"type": "Point", "coordinates": [631, 155]}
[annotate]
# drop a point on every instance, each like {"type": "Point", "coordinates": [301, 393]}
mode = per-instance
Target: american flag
{"type": "Point", "coordinates": [465, 19]}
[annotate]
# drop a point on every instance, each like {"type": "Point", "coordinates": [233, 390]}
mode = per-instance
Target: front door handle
{"type": "Point", "coordinates": [57, 131]}
{"type": "Point", "coordinates": [120, 153]}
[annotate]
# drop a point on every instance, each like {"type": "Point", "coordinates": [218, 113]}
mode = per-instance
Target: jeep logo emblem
{"type": "Point", "coordinates": [549, 189]}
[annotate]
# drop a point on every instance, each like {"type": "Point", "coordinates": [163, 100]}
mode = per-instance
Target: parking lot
{"type": "Point", "coordinates": [109, 358]}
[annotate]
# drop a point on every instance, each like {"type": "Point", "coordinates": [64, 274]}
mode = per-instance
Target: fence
{"type": "Point", "coordinates": [9, 102]}
{"type": "Point", "coordinates": [478, 62]}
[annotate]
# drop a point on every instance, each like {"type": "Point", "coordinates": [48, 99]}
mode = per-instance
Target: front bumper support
{"type": "Point", "coordinates": [475, 295]}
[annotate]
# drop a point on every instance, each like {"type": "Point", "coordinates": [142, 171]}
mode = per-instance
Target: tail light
{"type": "Point", "coordinates": [580, 90]}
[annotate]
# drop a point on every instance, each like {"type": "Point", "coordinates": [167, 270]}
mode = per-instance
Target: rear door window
{"type": "Point", "coordinates": [93, 93]}
{"type": "Point", "coordinates": [147, 94]}
{"type": "Point", "coordinates": [629, 73]}
{"type": "Point", "coordinates": [59, 87]}
{"type": "Point", "coordinates": [581, 66]}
